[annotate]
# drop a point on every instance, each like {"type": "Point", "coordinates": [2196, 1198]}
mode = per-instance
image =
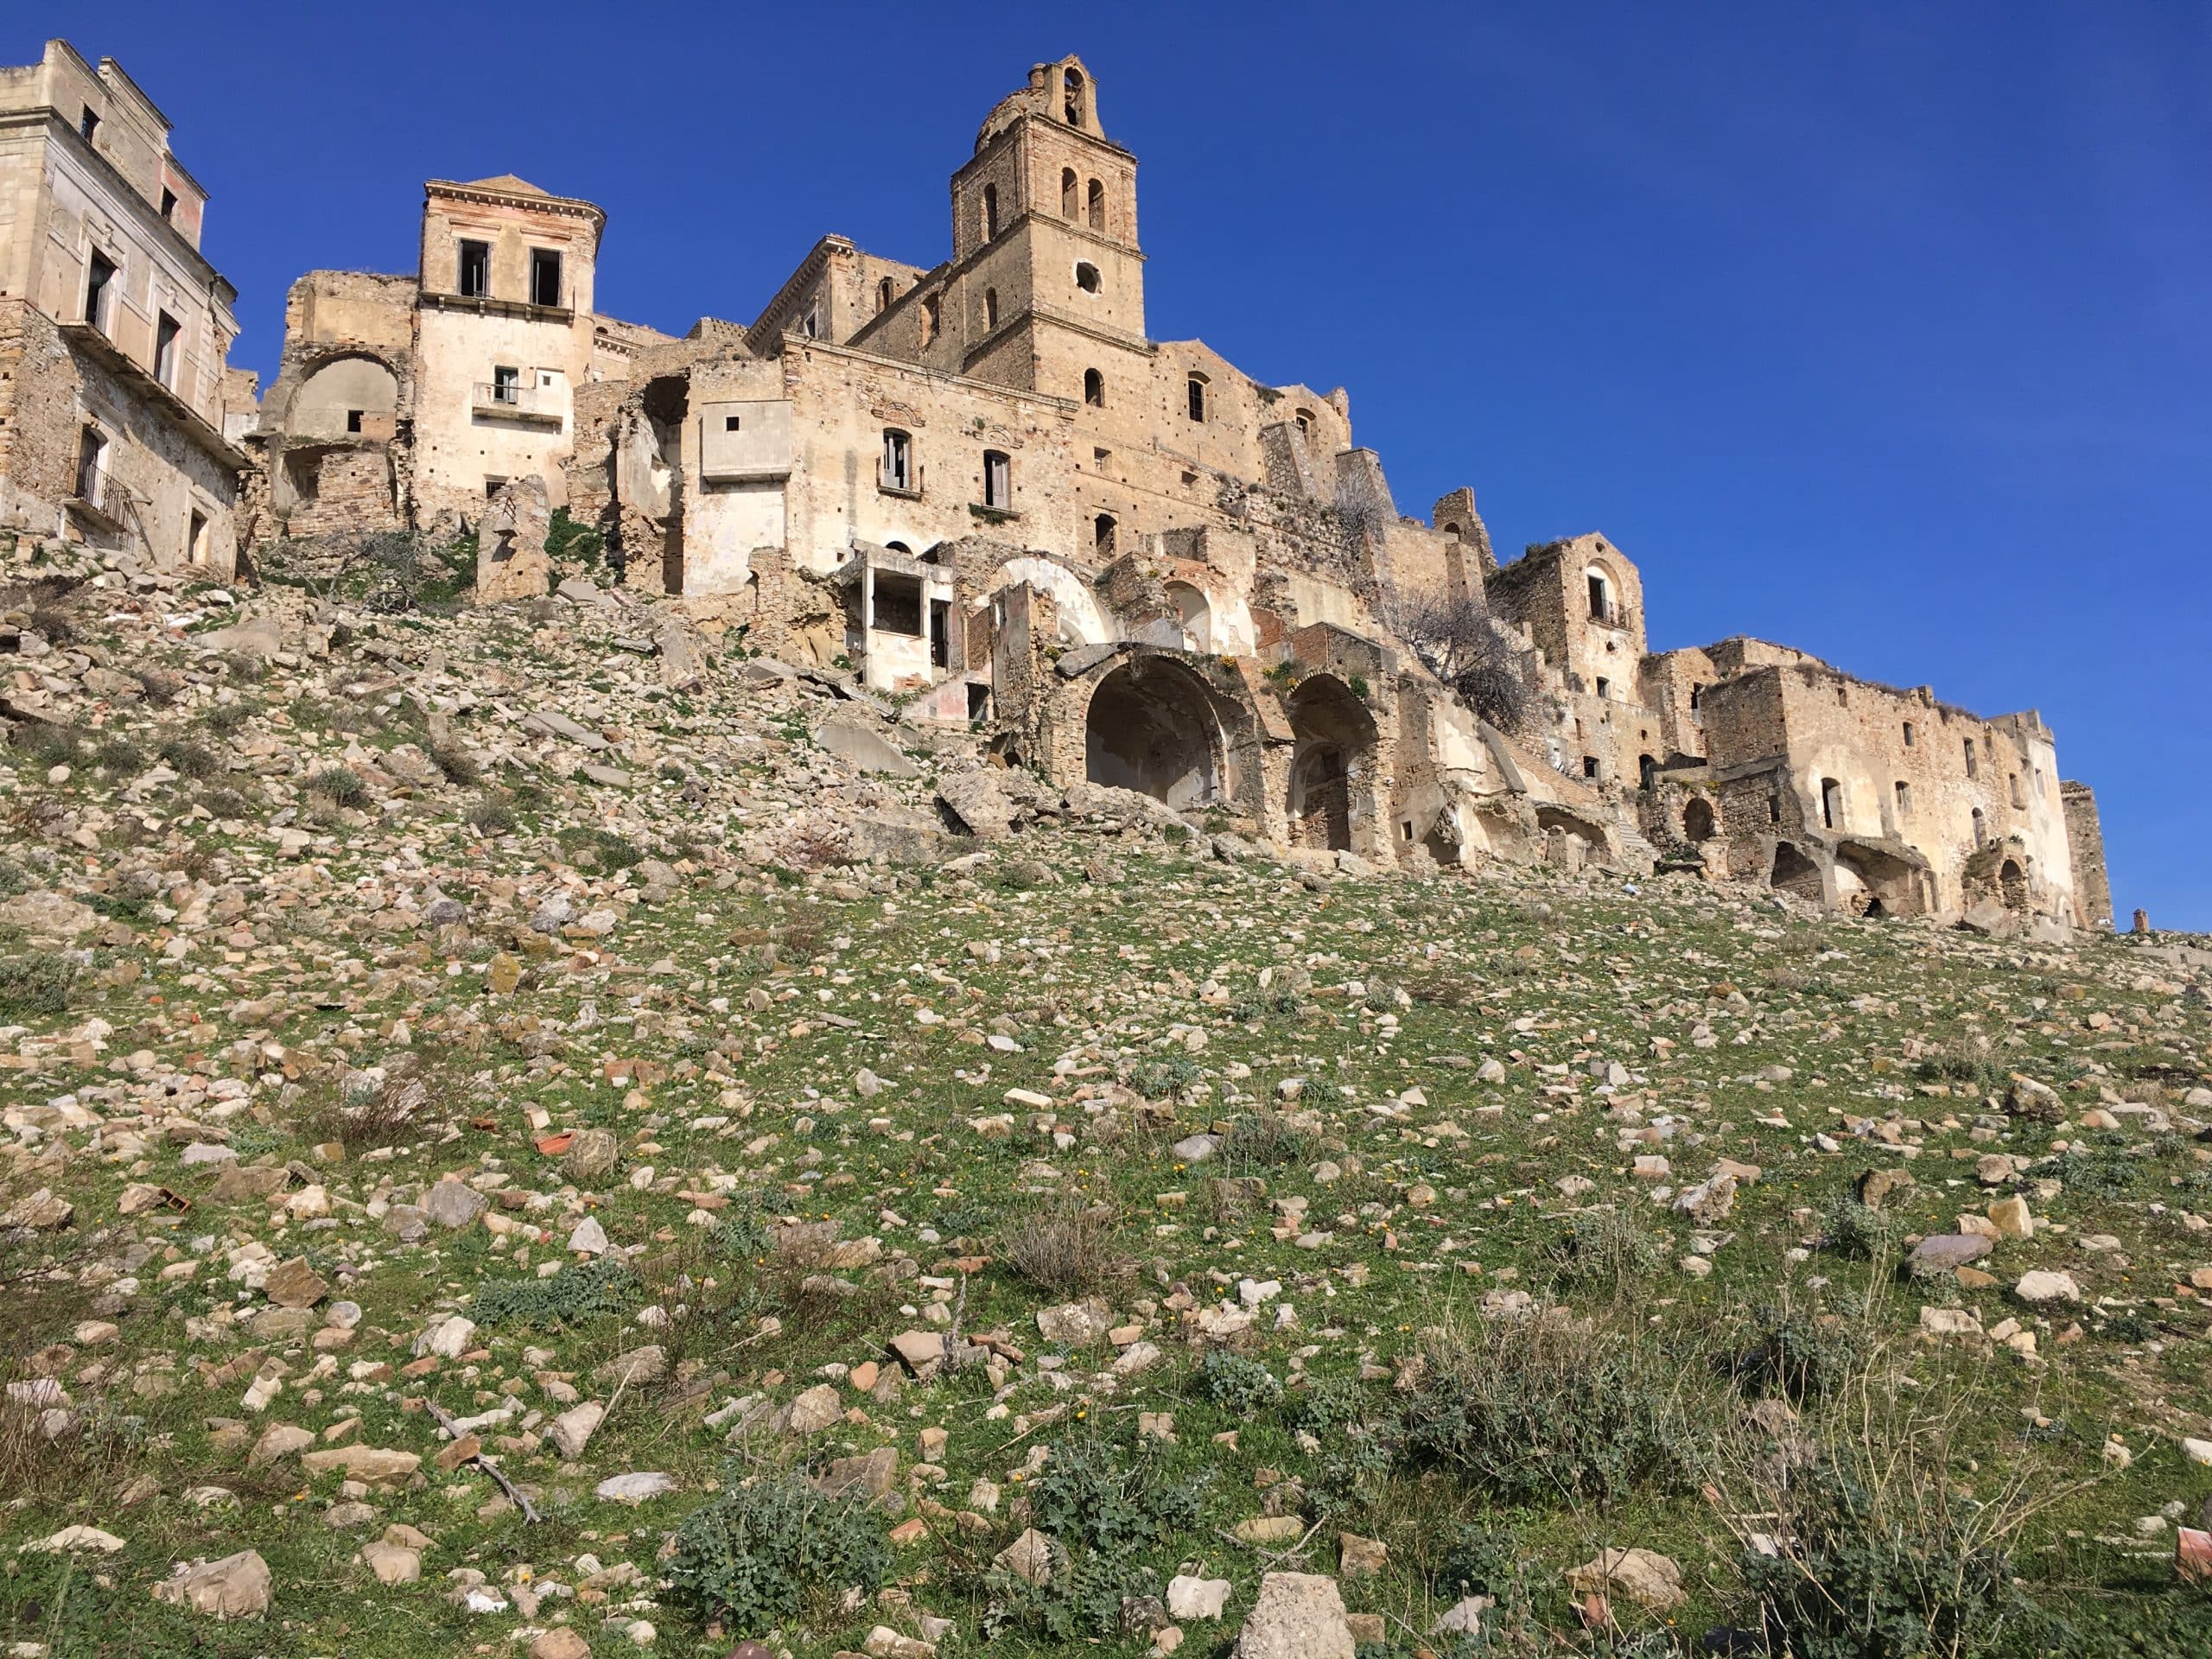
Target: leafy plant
{"type": "Point", "coordinates": [340, 786]}
{"type": "Point", "coordinates": [570, 1296]}
{"type": "Point", "coordinates": [37, 981]}
{"type": "Point", "coordinates": [1609, 1247]}
{"type": "Point", "coordinates": [760, 1551]}
{"type": "Point", "coordinates": [1157, 1079]}
{"type": "Point", "coordinates": [1261, 1141]}
{"type": "Point", "coordinates": [1241, 1387]}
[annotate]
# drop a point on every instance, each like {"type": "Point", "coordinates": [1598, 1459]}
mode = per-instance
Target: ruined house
{"type": "Point", "coordinates": [114, 327]}
{"type": "Point", "coordinates": [982, 487]}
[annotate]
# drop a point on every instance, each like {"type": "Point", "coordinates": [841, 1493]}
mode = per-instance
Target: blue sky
{"type": "Point", "coordinates": [1882, 330]}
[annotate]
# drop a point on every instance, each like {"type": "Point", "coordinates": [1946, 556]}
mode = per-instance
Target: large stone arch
{"type": "Point", "coordinates": [1875, 882]}
{"type": "Point", "coordinates": [1796, 872]}
{"type": "Point", "coordinates": [1177, 727]}
{"type": "Point", "coordinates": [1330, 804]}
{"type": "Point", "coordinates": [347, 394]}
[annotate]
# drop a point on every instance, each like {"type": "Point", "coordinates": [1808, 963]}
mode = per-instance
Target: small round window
{"type": "Point", "coordinates": [1086, 276]}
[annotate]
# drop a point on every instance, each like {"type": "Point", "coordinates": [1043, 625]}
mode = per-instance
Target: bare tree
{"type": "Point", "coordinates": [1456, 640]}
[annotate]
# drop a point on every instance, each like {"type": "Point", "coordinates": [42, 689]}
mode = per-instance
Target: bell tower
{"type": "Point", "coordinates": [1047, 285]}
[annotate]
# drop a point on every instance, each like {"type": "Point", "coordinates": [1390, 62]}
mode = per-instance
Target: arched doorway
{"type": "Point", "coordinates": [1880, 885]}
{"type": "Point", "coordinates": [1697, 819]}
{"type": "Point", "coordinates": [1330, 765]}
{"type": "Point", "coordinates": [1193, 615]}
{"type": "Point", "coordinates": [1797, 874]}
{"type": "Point", "coordinates": [1149, 728]}
{"type": "Point", "coordinates": [2013, 884]}
{"type": "Point", "coordinates": [1592, 837]}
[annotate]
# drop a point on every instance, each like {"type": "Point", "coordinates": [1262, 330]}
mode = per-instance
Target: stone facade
{"type": "Point", "coordinates": [114, 328]}
{"type": "Point", "coordinates": [982, 487]}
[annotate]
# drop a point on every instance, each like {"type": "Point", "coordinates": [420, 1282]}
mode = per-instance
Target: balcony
{"type": "Point", "coordinates": [99, 497]}
{"type": "Point", "coordinates": [510, 400]}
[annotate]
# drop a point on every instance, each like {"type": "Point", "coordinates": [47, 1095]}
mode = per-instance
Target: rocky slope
{"type": "Point", "coordinates": [532, 1132]}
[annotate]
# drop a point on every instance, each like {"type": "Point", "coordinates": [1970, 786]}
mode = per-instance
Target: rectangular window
{"type": "Point", "coordinates": [732, 423]}
{"type": "Point", "coordinates": [1589, 766]}
{"type": "Point", "coordinates": [898, 460]}
{"type": "Point", "coordinates": [898, 605]}
{"type": "Point", "coordinates": [1904, 799]}
{"type": "Point", "coordinates": [1908, 734]}
{"type": "Point", "coordinates": [506, 385]}
{"type": "Point", "coordinates": [166, 330]}
{"type": "Point", "coordinates": [353, 419]}
{"type": "Point", "coordinates": [998, 484]}
{"type": "Point", "coordinates": [91, 465]}
{"type": "Point", "coordinates": [87, 124]}
{"type": "Point", "coordinates": [168, 205]}
{"type": "Point", "coordinates": [492, 485]}
{"type": "Point", "coordinates": [1697, 692]}
{"type": "Point", "coordinates": [1604, 686]}
{"type": "Point", "coordinates": [195, 540]}
{"type": "Point", "coordinates": [99, 277]}
{"type": "Point", "coordinates": [544, 276]}
{"type": "Point", "coordinates": [474, 279]}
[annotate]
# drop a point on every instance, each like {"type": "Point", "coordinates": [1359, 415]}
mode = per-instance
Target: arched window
{"type": "Point", "coordinates": [1601, 596]}
{"type": "Point", "coordinates": [1831, 803]}
{"type": "Point", "coordinates": [1072, 99]}
{"type": "Point", "coordinates": [1980, 827]}
{"type": "Point", "coordinates": [1086, 277]}
{"type": "Point", "coordinates": [998, 480]}
{"type": "Point", "coordinates": [1101, 534]}
{"type": "Point", "coordinates": [1453, 530]}
{"type": "Point", "coordinates": [1097, 206]}
{"type": "Point", "coordinates": [990, 211]}
{"type": "Point", "coordinates": [991, 308]}
{"type": "Point", "coordinates": [1068, 183]}
{"type": "Point", "coordinates": [1195, 396]}
{"type": "Point", "coordinates": [1094, 388]}
{"type": "Point", "coordinates": [883, 294]}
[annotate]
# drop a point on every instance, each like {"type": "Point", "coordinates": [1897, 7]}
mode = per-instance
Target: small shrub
{"type": "Point", "coordinates": [118, 756]}
{"type": "Point", "coordinates": [601, 848]}
{"type": "Point", "coordinates": [340, 786]}
{"type": "Point", "coordinates": [188, 759]}
{"type": "Point", "coordinates": [1536, 1408]}
{"type": "Point", "coordinates": [1798, 1354]}
{"type": "Point", "coordinates": [1175, 835]}
{"type": "Point", "coordinates": [457, 764]}
{"type": "Point", "coordinates": [755, 1555]}
{"type": "Point", "coordinates": [1066, 1251]}
{"type": "Point", "coordinates": [1608, 1247]}
{"type": "Point", "coordinates": [1966, 1061]}
{"type": "Point", "coordinates": [1241, 1386]}
{"type": "Point", "coordinates": [1261, 1141]}
{"type": "Point", "coordinates": [1162, 1079]}
{"type": "Point", "coordinates": [1092, 1496]}
{"type": "Point", "coordinates": [45, 742]}
{"type": "Point", "coordinates": [228, 719]}
{"type": "Point", "coordinates": [491, 816]}
{"type": "Point", "coordinates": [37, 981]}
{"type": "Point", "coordinates": [2107, 1165]}
{"type": "Point", "coordinates": [1853, 1229]}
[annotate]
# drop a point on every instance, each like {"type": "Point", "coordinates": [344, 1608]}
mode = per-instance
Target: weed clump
{"type": "Point", "coordinates": [1261, 1141]}
{"type": "Point", "coordinates": [189, 759]}
{"type": "Point", "coordinates": [1065, 1250]}
{"type": "Point", "coordinates": [1853, 1229]}
{"type": "Point", "coordinates": [569, 1297]}
{"type": "Point", "coordinates": [761, 1551]}
{"type": "Point", "coordinates": [37, 981]}
{"type": "Point", "coordinates": [1100, 1508]}
{"type": "Point", "coordinates": [1608, 1247]}
{"type": "Point", "coordinates": [1163, 1079]}
{"type": "Point", "coordinates": [1539, 1408]}
{"type": "Point", "coordinates": [340, 786]}
{"type": "Point", "coordinates": [1241, 1386]}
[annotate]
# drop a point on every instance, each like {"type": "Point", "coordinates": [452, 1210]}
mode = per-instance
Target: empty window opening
{"type": "Point", "coordinates": [99, 278]}
{"type": "Point", "coordinates": [1831, 803]}
{"type": "Point", "coordinates": [733, 423]}
{"type": "Point", "coordinates": [168, 206]}
{"type": "Point", "coordinates": [475, 274]}
{"type": "Point", "coordinates": [1086, 277]}
{"type": "Point", "coordinates": [978, 701]}
{"type": "Point", "coordinates": [1101, 533]}
{"type": "Point", "coordinates": [1453, 530]}
{"type": "Point", "coordinates": [91, 465]}
{"type": "Point", "coordinates": [1842, 695]}
{"type": "Point", "coordinates": [87, 124]}
{"type": "Point", "coordinates": [900, 548]}
{"type": "Point", "coordinates": [1068, 185]}
{"type": "Point", "coordinates": [1697, 820]}
{"type": "Point", "coordinates": [166, 332]}
{"type": "Point", "coordinates": [353, 419]}
{"type": "Point", "coordinates": [2012, 783]}
{"type": "Point", "coordinates": [998, 480]}
{"type": "Point", "coordinates": [1972, 766]}
{"type": "Point", "coordinates": [810, 324]}
{"type": "Point", "coordinates": [2013, 884]}
{"type": "Point", "coordinates": [1071, 97]}
{"type": "Point", "coordinates": [1589, 766]}
{"type": "Point", "coordinates": [991, 308]}
{"type": "Point", "coordinates": [990, 211]}
{"type": "Point", "coordinates": [1099, 458]}
{"type": "Point", "coordinates": [544, 276]}
{"type": "Point", "coordinates": [898, 472]}
{"type": "Point", "coordinates": [1096, 202]}
{"type": "Point", "coordinates": [1601, 606]}
{"type": "Point", "coordinates": [898, 605]}
{"type": "Point", "coordinates": [1904, 799]}
{"type": "Point", "coordinates": [1908, 734]}
{"type": "Point", "coordinates": [1980, 827]}
{"type": "Point", "coordinates": [1697, 696]}
{"type": "Point", "coordinates": [933, 315]}
{"type": "Point", "coordinates": [195, 539]}
{"type": "Point", "coordinates": [1195, 394]}
{"type": "Point", "coordinates": [1604, 686]}
{"type": "Point", "coordinates": [1774, 809]}
{"type": "Point", "coordinates": [1306, 424]}
{"type": "Point", "coordinates": [1094, 388]}
{"type": "Point", "coordinates": [940, 633]}
{"type": "Point", "coordinates": [883, 296]}
{"type": "Point", "coordinates": [1194, 616]}
{"type": "Point", "coordinates": [506, 385]}
{"type": "Point", "coordinates": [493, 485]}
{"type": "Point", "coordinates": [1647, 769]}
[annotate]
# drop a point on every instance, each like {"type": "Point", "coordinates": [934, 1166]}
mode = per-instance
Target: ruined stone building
{"type": "Point", "coordinates": [114, 328]}
{"type": "Point", "coordinates": [982, 487]}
